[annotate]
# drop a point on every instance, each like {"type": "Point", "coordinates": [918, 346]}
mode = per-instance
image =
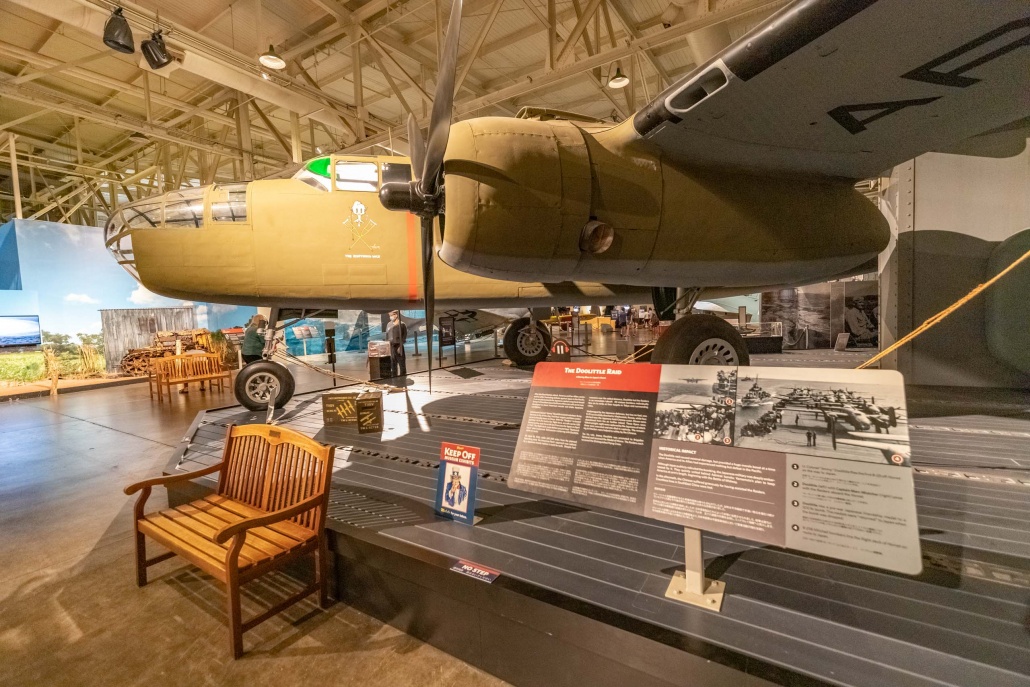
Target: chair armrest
{"type": "Point", "coordinates": [229, 531]}
{"type": "Point", "coordinates": [168, 479]}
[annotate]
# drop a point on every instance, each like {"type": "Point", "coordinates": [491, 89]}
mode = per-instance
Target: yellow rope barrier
{"type": "Point", "coordinates": [943, 313]}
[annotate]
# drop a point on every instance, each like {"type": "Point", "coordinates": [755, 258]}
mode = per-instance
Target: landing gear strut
{"type": "Point", "coordinates": [257, 383]}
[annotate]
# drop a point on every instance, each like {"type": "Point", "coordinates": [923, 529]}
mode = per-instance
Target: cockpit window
{"type": "Point", "coordinates": [229, 203]}
{"type": "Point", "coordinates": [315, 174]}
{"type": "Point", "coordinates": [357, 176]}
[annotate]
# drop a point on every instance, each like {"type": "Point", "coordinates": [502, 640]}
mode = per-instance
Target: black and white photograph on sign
{"type": "Point", "coordinates": [695, 404]}
{"type": "Point", "coordinates": [847, 414]}
{"type": "Point", "coordinates": [805, 314]}
{"type": "Point", "coordinates": [862, 313]}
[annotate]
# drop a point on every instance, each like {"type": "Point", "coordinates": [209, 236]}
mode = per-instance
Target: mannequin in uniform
{"type": "Point", "coordinates": [397, 334]}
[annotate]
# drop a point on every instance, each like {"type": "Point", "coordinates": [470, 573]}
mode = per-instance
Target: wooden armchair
{"type": "Point", "coordinates": [269, 508]}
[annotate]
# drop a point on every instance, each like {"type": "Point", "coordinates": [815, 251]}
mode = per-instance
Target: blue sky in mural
{"type": "Point", "coordinates": [75, 277]}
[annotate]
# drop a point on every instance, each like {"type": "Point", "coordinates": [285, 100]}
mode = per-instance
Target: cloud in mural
{"type": "Point", "coordinates": [141, 295]}
{"type": "Point", "coordinates": [81, 298]}
{"type": "Point", "coordinates": [221, 308]}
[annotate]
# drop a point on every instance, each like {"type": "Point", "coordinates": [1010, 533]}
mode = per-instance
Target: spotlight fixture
{"type": "Point", "coordinates": [156, 51]}
{"type": "Point", "coordinates": [618, 80]}
{"type": "Point", "coordinates": [271, 59]}
{"type": "Point", "coordinates": [117, 34]}
{"type": "Point", "coordinates": [265, 76]}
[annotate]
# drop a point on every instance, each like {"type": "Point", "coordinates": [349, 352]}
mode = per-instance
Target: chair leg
{"type": "Point", "coordinates": [141, 559]}
{"type": "Point", "coordinates": [322, 573]}
{"type": "Point", "coordinates": [232, 589]}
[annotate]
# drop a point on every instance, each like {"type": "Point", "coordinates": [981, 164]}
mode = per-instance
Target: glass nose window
{"type": "Point", "coordinates": [184, 208]}
{"type": "Point", "coordinates": [357, 176]}
{"type": "Point", "coordinates": [229, 203]}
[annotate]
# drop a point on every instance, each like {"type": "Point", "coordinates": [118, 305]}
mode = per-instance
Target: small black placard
{"type": "Point", "coordinates": [370, 413]}
{"type": "Point", "coordinates": [340, 409]}
{"type": "Point", "coordinates": [447, 335]}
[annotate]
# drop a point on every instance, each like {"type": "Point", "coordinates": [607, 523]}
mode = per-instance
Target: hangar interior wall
{"type": "Point", "coordinates": [948, 214]}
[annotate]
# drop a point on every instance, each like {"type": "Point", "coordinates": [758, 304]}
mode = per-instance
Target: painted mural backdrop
{"type": "Point", "coordinates": [73, 277]}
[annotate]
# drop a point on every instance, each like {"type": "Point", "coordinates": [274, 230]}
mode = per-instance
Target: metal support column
{"type": "Point", "coordinates": [691, 586]}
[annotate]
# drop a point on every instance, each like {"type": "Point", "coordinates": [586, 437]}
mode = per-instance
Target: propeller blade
{"type": "Point", "coordinates": [417, 144]}
{"type": "Point", "coordinates": [443, 104]}
{"type": "Point", "coordinates": [428, 289]}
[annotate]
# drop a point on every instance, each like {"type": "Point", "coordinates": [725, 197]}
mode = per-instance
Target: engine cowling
{"type": "Point", "coordinates": [518, 197]}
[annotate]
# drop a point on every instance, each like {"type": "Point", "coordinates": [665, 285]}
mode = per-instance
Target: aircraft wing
{"type": "Point", "coordinates": [850, 88]}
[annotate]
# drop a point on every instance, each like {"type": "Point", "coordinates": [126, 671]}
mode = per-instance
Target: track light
{"type": "Point", "coordinates": [618, 80]}
{"type": "Point", "coordinates": [271, 59]}
{"type": "Point", "coordinates": [156, 51]}
{"type": "Point", "coordinates": [117, 34]}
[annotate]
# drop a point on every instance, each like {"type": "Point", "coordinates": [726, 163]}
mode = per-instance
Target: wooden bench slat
{"type": "Point", "coordinates": [219, 517]}
{"type": "Point", "coordinates": [287, 527]}
{"type": "Point", "coordinates": [260, 538]}
{"type": "Point", "coordinates": [187, 539]}
{"type": "Point", "coordinates": [254, 548]}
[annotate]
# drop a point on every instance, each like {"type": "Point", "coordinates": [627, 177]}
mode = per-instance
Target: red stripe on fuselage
{"type": "Point", "coordinates": [412, 259]}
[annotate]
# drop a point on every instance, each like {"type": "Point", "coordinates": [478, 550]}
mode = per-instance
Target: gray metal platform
{"type": "Point", "coordinates": [788, 618]}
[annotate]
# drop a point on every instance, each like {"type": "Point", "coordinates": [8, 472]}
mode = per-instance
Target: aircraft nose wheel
{"type": "Point", "coordinates": [701, 340]}
{"type": "Point", "coordinates": [524, 344]}
{"type": "Point", "coordinates": [256, 383]}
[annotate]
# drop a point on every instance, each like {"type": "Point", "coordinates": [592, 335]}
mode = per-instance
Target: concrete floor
{"type": "Point", "coordinates": [70, 611]}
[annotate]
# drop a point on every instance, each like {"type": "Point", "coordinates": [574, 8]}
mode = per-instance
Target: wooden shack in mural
{"type": "Point", "coordinates": [125, 329]}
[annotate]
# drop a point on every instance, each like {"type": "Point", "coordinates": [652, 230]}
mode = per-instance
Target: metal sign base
{"type": "Point", "coordinates": [690, 586]}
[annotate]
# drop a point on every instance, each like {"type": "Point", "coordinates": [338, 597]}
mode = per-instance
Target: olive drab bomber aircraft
{"type": "Point", "coordinates": [737, 178]}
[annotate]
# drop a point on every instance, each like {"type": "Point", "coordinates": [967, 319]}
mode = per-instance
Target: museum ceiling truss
{"type": "Point", "coordinates": [84, 128]}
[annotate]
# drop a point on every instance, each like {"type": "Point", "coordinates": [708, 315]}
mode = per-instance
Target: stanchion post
{"type": "Point", "coordinates": [691, 586]}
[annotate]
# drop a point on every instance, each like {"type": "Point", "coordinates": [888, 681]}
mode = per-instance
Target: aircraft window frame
{"type": "Point", "coordinates": [144, 215]}
{"type": "Point", "coordinates": [356, 183]}
{"type": "Point", "coordinates": [235, 199]}
{"type": "Point", "coordinates": [314, 180]}
{"type": "Point", "coordinates": [184, 208]}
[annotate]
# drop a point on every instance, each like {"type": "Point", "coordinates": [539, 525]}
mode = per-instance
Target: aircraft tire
{"type": "Point", "coordinates": [522, 347]}
{"type": "Point", "coordinates": [701, 340]}
{"type": "Point", "coordinates": [251, 387]}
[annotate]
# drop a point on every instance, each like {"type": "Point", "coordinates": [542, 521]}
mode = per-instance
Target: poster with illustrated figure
{"type": "Point", "coordinates": [457, 482]}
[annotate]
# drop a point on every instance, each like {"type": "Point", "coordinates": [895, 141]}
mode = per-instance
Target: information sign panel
{"type": "Point", "coordinates": [457, 482]}
{"type": "Point", "coordinates": [811, 459]}
{"type": "Point", "coordinates": [447, 331]}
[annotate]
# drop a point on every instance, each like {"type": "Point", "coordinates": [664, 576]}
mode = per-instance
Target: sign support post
{"type": "Point", "coordinates": [691, 586]}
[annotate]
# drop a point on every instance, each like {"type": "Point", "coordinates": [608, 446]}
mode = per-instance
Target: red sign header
{"type": "Point", "coordinates": [456, 453]}
{"type": "Point", "coordinates": [640, 377]}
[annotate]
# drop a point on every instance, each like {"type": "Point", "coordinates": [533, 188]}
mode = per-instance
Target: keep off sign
{"type": "Point", "coordinates": [456, 485]}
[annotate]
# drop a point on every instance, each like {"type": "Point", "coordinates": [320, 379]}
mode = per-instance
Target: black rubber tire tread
{"type": "Point", "coordinates": [511, 350]}
{"type": "Point", "coordinates": [287, 384]}
{"type": "Point", "coordinates": [683, 336]}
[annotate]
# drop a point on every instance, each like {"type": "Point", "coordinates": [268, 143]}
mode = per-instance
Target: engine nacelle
{"type": "Point", "coordinates": [517, 197]}
{"type": "Point", "coordinates": [557, 201]}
